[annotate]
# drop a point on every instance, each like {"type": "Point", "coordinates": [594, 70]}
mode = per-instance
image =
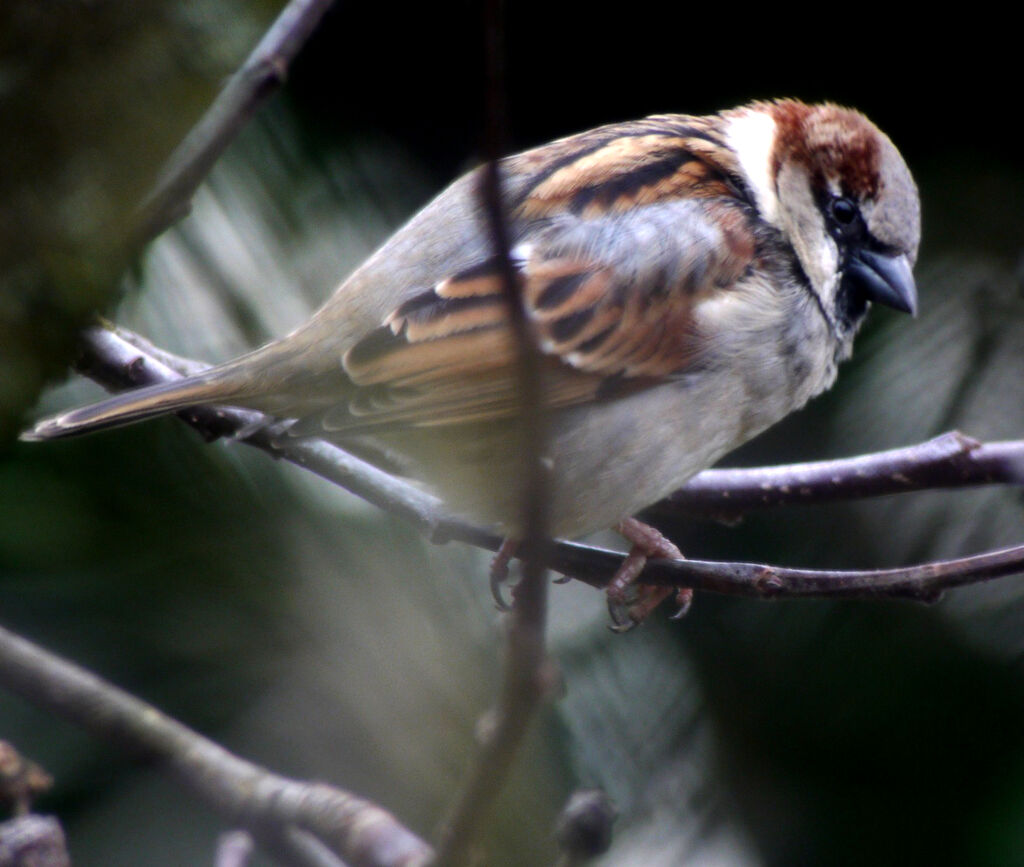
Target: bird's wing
{"type": "Point", "coordinates": [618, 243]}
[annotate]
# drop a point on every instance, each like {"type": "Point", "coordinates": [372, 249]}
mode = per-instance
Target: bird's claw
{"type": "Point", "coordinates": [499, 573]}
{"type": "Point", "coordinates": [619, 614]}
{"type": "Point", "coordinates": [629, 604]}
{"type": "Point", "coordinates": [684, 599]}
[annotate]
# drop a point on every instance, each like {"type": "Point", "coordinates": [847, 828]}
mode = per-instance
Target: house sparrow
{"type": "Point", "coordinates": [689, 282]}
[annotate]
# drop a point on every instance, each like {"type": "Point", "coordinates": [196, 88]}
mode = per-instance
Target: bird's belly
{"type": "Point", "coordinates": [608, 461]}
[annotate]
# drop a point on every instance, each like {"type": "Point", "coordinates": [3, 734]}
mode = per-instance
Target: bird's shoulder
{"type": "Point", "coordinates": [622, 166]}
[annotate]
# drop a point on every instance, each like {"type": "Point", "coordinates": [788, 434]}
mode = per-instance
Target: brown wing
{"type": "Point", "coordinates": [619, 242]}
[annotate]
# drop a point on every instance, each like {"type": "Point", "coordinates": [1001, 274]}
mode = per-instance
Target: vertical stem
{"type": "Point", "coordinates": [527, 674]}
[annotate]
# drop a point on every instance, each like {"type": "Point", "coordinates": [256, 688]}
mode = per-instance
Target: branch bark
{"type": "Point", "coordinates": [310, 824]}
{"type": "Point", "coordinates": [952, 460]}
{"type": "Point", "coordinates": [300, 819]}
{"type": "Point", "coordinates": [528, 675]}
{"type": "Point", "coordinates": [320, 820]}
{"type": "Point", "coordinates": [119, 359]}
{"type": "Point", "coordinates": [262, 73]}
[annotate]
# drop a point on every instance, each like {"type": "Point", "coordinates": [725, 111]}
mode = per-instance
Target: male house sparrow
{"type": "Point", "coordinates": [689, 282]}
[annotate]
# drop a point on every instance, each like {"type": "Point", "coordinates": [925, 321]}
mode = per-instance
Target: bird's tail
{"type": "Point", "coordinates": [133, 406]}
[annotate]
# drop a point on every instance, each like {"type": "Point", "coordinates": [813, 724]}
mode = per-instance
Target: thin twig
{"type": "Point", "coordinates": [261, 74]}
{"type": "Point", "coordinates": [527, 674]}
{"type": "Point", "coordinates": [924, 582]}
{"type": "Point", "coordinates": [952, 460]}
{"type": "Point", "coordinates": [361, 833]}
{"type": "Point", "coordinates": [119, 359]}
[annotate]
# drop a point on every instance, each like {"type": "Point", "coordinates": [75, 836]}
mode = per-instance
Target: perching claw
{"type": "Point", "coordinates": [684, 599]}
{"type": "Point", "coordinates": [621, 621]}
{"type": "Point", "coordinates": [647, 543]}
{"type": "Point", "coordinates": [499, 572]}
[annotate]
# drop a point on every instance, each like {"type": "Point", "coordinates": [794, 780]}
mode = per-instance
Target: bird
{"type": "Point", "coordinates": [688, 281]}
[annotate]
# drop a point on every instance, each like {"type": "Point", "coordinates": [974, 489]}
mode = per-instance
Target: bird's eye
{"type": "Point", "coordinates": [845, 222]}
{"type": "Point", "coordinates": [844, 211]}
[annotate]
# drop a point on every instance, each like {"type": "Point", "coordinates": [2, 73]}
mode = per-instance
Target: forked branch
{"type": "Point", "coordinates": [307, 824]}
{"type": "Point", "coordinates": [118, 359]}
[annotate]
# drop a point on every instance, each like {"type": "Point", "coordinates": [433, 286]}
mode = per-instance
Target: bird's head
{"type": "Point", "coordinates": [840, 193]}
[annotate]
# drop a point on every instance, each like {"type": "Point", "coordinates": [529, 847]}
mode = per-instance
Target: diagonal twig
{"type": "Point", "coordinates": [294, 814]}
{"type": "Point", "coordinates": [119, 359]}
{"type": "Point", "coordinates": [247, 89]}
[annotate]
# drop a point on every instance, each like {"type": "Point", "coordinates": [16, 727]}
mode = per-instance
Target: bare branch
{"type": "Point", "coordinates": [114, 359]}
{"type": "Point", "coordinates": [361, 833]}
{"type": "Point", "coordinates": [922, 583]}
{"type": "Point", "coordinates": [118, 359]}
{"type": "Point", "coordinates": [951, 460]}
{"type": "Point", "coordinates": [261, 74]}
{"type": "Point", "coordinates": [528, 676]}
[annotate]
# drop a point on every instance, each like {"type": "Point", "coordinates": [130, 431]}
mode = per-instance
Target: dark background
{"type": "Point", "coordinates": [324, 639]}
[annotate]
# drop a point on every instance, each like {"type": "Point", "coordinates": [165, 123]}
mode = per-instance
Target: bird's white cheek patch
{"type": "Point", "coordinates": [752, 138]}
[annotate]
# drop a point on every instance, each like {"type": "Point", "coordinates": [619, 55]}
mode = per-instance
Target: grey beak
{"type": "Point", "coordinates": [885, 279]}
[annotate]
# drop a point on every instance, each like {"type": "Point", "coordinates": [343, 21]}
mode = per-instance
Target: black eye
{"type": "Point", "coordinates": [845, 223]}
{"type": "Point", "coordinates": [844, 211]}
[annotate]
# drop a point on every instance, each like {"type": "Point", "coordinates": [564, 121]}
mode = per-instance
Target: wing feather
{"type": "Point", "coordinates": [618, 242]}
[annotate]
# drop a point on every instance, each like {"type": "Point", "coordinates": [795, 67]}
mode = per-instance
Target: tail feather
{"type": "Point", "coordinates": [132, 406]}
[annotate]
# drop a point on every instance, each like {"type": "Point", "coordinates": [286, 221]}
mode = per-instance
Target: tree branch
{"type": "Point", "coordinates": [247, 89]}
{"type": "Point", "coordinates": [118, 359]}
{"type": "Point", "coordinates": [528, 676]}
{"type": "Point", "coordinates": [952, 460]}
{"type": "Point", "coordinates": [294, 815]}
{"type": "Point", "coordinates": [310, 824]}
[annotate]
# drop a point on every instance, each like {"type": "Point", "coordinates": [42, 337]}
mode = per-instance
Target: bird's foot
{"type": "Point", "coordinates": [629, 604]}
{"type": "Point", "coordinates": [499, 572]}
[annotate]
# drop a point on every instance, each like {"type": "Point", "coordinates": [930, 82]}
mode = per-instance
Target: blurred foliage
{"type": "Point", "coordinates": [312, 634]}
{"type": "Point", "coordinates": [93, 98]}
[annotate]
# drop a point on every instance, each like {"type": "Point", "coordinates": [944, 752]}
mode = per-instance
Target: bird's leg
{"type": "Point", "coordinates": [629, 604]}
{"type": "Point", "coordinates": [499, 571]}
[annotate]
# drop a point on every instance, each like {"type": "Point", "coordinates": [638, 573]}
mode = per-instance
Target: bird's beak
{"type": "Point", "coordinates": [883, 278]}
